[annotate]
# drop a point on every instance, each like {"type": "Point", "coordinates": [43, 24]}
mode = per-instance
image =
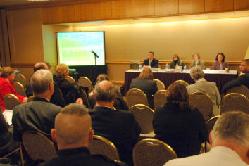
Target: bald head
{"type": "Point", "coordinates": [105, 91]}
{"type": "Point", "coordinates": [73, 127]}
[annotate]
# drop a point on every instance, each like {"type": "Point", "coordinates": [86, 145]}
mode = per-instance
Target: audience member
{"type": "Point", "coordinates": [7, 144]}
{"type": "Point", "coordinates": [119, 102]}
{"type": "Point", "coordinates": [229, 141]}
{"type": "Point", "coordinates": [182, 127]}
{"type": "Point", "coordinates": [197, 62]}
{"type": "Point", "coordinates": [38, 114]}
{"type": "Point", "coordinates": [146, 83]}
{"type": "Point", "coordinates": [120, 127]}
{"type": "Point", "coordinates": [176, 61]}
{"type": "Point", "coordinates": [220, 63]}
{"type": "Point", "coordinates": [151, 60]}
{"type": "Point", "coordinates": [243, 79]}
{"type": "Point", "coordinates": [57, 97]}
{"type": "Point", "coordinates": [6, 86]}
{"type": "Point", "coordinates": [71, 91]}
{"type": "Point", "coordinates": [203, 86]}
{"type": "Point", "coordinates": [73, 133]}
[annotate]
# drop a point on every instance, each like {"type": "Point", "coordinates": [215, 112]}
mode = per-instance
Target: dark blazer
{"type": "Point", "coordinates": [183, 130]}
{"type": "Point", "coordinates": [36, 115]}
{"type": "Point", "coordinates": [154, 63]}
{"type": "Point", "coordinates": [148, 86]}
{"type": "Point", "coordinates": [78, 157]}
{"type": "Point", "coordinates": [120, 127]}
{"type": "Point", "coordinates": [217, 66]}
{"type": "Point", "coordinates": [241, 80]}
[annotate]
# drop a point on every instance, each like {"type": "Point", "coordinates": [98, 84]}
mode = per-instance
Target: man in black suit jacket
{"type": "Point", "coordinates": [39, 114]}
{"type": "Point", "coordinates": [243, 79]}
{"type": "Point", "coordinates": [73, 133]}
{"type": "Point", "coordinates": [151, 61]}
{"type": "Point", "coordinates": [120, 127]}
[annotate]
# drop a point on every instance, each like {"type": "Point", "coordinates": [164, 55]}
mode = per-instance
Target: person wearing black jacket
{"type": "Point", "coordinates": [151, 61]}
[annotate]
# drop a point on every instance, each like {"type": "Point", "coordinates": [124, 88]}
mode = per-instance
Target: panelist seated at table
{"type": "Point", "coordinates": [220, 63]}
{"type": "Point", "coordinates": [176, 61]}
{"type": "Point", "coordinates": [197, 62]}
{"type": "Point", "coordinates": [243, 79]}
{"type": "Point", "coordinates": [151, 60]}
{"type": "Point", "coordinates": [145, 82]}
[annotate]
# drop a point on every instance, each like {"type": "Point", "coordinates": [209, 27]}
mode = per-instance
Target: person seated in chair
{"type": "Point", "coordinates": [118, 126]}
{"type": "Point", "coordinates": [151, 61]}
{"type": "Point", "coordinates": [73, 134]}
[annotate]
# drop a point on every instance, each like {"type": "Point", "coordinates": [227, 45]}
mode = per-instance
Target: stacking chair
{"type": "Point", "coordinates": [85, 83]}
{"type": "Point", "coordinates": [144, 116]}
{"type": "Point", "coordinates": [21, 78]}
{"type": "Point", "coordinates": [160, 98]}
{"type": "Point", "coordinates": [10, 101]}
{"type": "Point", "coordinates": [210, 123]}
{"type": "Point", "coordinates": [152, 152]}
{"type": "Point", "coordinates": [182, 82]}
{"type": "Point", "coordinates": [70, 79]}
{"type": "Point", "coordinates": [136, 96]}
{"type": "Point", "coordinates": [19, 88]}
{"type": "Point", "coordinates": [239, 89]}
{"type": "Point", "coordinates": [203, 103]}
{"type": "Point", "coordinates": [38, 146]}
{"type": "Point", "coordinates": [103, 146]}
{"type": "Point", "coordinates": [160, 84]}
{"type": "Point", "coordinates": [234, 102]}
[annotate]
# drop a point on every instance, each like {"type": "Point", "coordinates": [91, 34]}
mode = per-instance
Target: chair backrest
{"type": "Point", "coordinates": [136, 96]}
{"type": "Point", "coordinates": [182, 82]}
{"type": "Point", "coordinates": [19, 88]}
{"type": "Point", "coordinates": [160, 84]}
{"type": "Point", "coordinates": [152, 152]}
{"type": "Point", "coordinates": [38, 146]}
{"type": "Point", "coordinates": [70, 79]}
{"type": "Point", "coordinates": [203, 103]}
{"type": "Point", "coordinates": [85, 83]}
{"type": "Point", "coordinates": [234, 102]}
{"type": "Point", "coordinates": [160, 98]}
{"type": "Point", "coordinates": [101, 145]}
{"type": "Point", "coordinates": [10, 101]}
{"type": "Point", "coordinates": [210, 123]}
{"type": "Point", "coordinates": [239, 89]}
{"type": "Point", "coordinates": [144, 116]}
{"type": "Point", "coordinates": [21, 78]}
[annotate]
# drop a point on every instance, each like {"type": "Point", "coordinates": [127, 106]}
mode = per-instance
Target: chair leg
{"type": "Point", "coordinates": [21, 156]}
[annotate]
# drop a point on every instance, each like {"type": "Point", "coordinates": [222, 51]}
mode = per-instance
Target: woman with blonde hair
{"type": "Point", "coordinates": [145, 82]}
{"type": "Point", "coordinates": [179, 125]}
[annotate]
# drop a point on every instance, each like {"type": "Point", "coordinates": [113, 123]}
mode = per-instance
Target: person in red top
{"type": "Point", "coordinates": [6, 86]}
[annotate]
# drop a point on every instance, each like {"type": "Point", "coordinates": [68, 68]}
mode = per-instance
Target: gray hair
{"type": "Point", "coordinates": [107, 93]}
{"type": "Point", "coordinates": [233, 125]}
{"type": "Point", "coordinates": [74, 109]}
{"type": "Point", "coordinates": [196, 73]}
{"type": "Point", "coordinates": [40, 81]}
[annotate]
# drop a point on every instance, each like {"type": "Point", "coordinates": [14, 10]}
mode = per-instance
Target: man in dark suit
{"type": "Point", "coordinates": [120, 127]}
{"type": "Point", "coordinates": [243, 79]}
{"type": "Point", "coordinates": [151, 61]}
{"type": "Point", "coordinates": [73, 133]}
{"type": "Point", "coordinates": [39, 114]}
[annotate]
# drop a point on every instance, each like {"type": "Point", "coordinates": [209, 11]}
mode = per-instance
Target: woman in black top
{"type": "Point", "coordinates": [179, 125]}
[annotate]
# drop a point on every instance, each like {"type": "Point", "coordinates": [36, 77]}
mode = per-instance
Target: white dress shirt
{"type": "Point", "coordinates": [218, 156]}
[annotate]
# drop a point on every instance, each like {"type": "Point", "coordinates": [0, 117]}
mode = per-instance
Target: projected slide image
{"type": "Point", "coordinates": [76, 48]}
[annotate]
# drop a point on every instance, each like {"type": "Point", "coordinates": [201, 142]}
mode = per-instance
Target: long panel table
{"type": "Point", "coordinates": [220, 77]}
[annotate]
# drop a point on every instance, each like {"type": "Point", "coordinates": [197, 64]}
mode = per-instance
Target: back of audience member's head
{"type": "Point", "coordinates": [73, 127]}
{"type": "Point", "coordinates": [105, 91]}
{"type": "Point", "coordinates": [177, 93]}
{"type": "Point", "coordinates": [3, 123]}
{"type": "Point", "coordinates": [196, 73]}
{"type": "Point", "coordinates": [146, 73]}
{"type": "Point", "coordinates": [40, 66]}
{"type": "Point", "coordinates": [41, 81]}
{"type": "Point", "coordinates": [232, 130]}
{"type": "Point", "coordinates": [62, 70]}
{"type": "Point", "coordinates": [7, 71]}
{"type": "Point", "coordinates": [102, 77]}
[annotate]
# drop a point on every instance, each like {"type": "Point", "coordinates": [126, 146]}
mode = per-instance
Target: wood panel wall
{"type": "Point", "coordinates": [123, 9]}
